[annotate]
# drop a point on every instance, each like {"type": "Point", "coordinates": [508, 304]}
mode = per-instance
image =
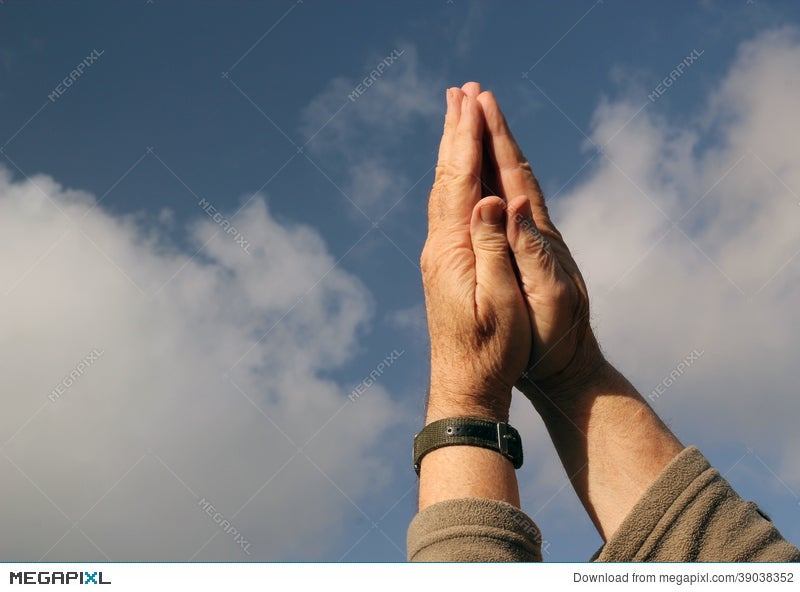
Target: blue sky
{"type": "Point", "coordinates": [226, 360]}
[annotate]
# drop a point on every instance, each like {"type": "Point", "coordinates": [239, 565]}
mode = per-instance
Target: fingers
{"type": "Point", "coordinates": [468, 144]}
{"type": "Point", "coordinates": [454, 97]}
{"type": "Point", "coordinates": [514, 172]}
{"type": "Point", "coordinates": [496, 285]}
{"type": "Point", "coordinates": [489, 183]}
{"type": "Point", "coordinates": [458, 181]}
{"type": "Point", "coordinates": [436, 199]}
{"type": "Point", "coordinates": [458, 176]}
{"type": "Point", "coordinates": [453, 114]}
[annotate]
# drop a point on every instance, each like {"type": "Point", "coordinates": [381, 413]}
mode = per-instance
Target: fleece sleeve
{"type": "Point", "coordinates": [473, 529]}
{"type": "Point", "coordinates": [690, 513]}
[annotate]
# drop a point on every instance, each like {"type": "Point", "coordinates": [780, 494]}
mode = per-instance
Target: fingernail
{"type": "Point", "coordinates": [492, 214]}
{"type": "Point", "coordinates": [448, 95]}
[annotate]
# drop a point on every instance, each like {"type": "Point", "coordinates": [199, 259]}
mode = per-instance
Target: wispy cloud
{"type": "Point", "coordinates": [364, 139]}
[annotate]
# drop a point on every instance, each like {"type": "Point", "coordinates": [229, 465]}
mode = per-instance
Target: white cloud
{"type": "Point", "coordinates": [688, 235]}
{"type": "Point", "coordinates": [656, 296]}
{"type": "Point", "coordinates": [466, 31]}
{"type": "Point", "coordinates": [160, 412]}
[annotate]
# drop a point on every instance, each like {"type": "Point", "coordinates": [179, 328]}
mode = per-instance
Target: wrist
{"type": "Point", "coordinates": [482, 402]}
{"type": "Point", "coordinates": [571, 397]}
{"type": "Point", "coordinates": [608, 399]}
{"type": "Point", "coordinates": [570, 390]}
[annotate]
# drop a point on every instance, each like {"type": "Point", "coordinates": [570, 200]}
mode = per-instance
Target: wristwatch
{"type": "Point", "coordinates": [469, 431]}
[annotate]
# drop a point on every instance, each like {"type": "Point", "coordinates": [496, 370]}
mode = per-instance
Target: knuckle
{"type": "Point", "coordinates": [495, 245]}
{"type": "Point", "coordinates": [425, 268]}
{"type": "Point", "coordinates": [449, 173]}
{"type": "Point", "coordinates": [424, 259]}
{"type": "Point", "coordinates": [444, 169]}
{"type": "Point", "coordinates": [428, 259]}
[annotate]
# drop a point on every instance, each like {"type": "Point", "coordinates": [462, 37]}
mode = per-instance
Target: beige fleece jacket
{"type": "Point", "coordinates": [689, 513]}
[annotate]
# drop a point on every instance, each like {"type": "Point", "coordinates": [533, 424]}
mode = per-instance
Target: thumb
{"type": "Point", "coordinates": [538, 268]}
{"type": "Point", "coordinates": [495, 281]}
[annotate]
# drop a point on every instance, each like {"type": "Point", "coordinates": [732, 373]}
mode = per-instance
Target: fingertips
{"type": "Point", "coordinates": [490, 211]}
{"type": "Point", "coordinates": [454, 105]}
{"type": "Point", "coordinates": [454, 97]}
{"type": "Point", "coordinates": [473, 89]}
{"type": "Point", "coordinates": [488, 229]}
{"type": "Point", "coordinates": [495, 121]}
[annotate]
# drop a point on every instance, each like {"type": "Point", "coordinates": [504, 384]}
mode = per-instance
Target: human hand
{"type": "Point", "coordinates": [564, 353]}
{"type": "Point", "coordinates": [477, 318]}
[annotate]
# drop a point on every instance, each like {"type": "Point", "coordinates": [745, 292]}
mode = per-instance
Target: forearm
{"type": "Point", "coordinates": [610, 441]}
{"type": "Point", "coordinates": [454, 472]}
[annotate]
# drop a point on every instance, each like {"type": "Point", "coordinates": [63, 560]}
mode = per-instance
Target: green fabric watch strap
{"type": "Point", "coordinates": [469, 431]}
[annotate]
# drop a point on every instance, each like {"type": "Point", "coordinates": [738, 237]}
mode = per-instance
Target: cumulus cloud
{"type": "Point", "coordinates": [687, 230]}
{"type": "Point", "coordinates": [688, 233]}
{"type": "Point", "coordinates": [143, 385]}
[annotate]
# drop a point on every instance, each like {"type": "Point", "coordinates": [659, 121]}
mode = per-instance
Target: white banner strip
{"type": "Point", "coordinates": [388, 577]}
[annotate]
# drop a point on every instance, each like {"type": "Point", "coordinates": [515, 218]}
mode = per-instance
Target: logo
{"type": "Point", "coordinates": [57, 577]}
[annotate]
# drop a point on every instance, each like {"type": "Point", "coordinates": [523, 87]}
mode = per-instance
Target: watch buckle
{"type": "Point", "coordinates": [502, 438]}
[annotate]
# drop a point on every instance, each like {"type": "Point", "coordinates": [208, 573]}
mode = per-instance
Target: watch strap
{"type": "Point", "coordinates": [469, 431]}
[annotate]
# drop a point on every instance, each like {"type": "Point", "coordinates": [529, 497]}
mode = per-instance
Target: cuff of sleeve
{"type": "Point", "coordinates": [690, 513]}
{"type": "Point", "coordinates": [473, 529]}
{"type": "Point", "coordinates": [659, 508]}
